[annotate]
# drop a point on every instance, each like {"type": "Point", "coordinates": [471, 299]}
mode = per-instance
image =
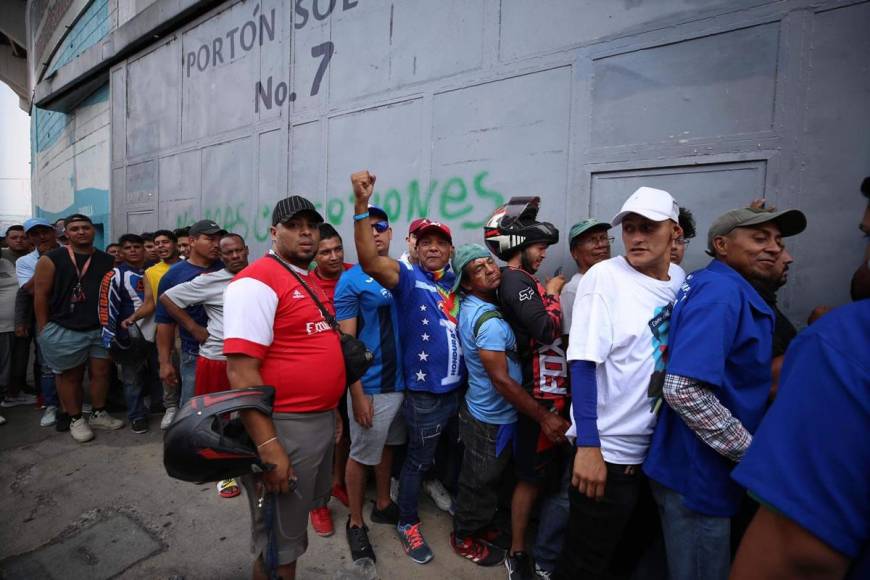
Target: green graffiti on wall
{"type": "Point", "coordinates": [450, 200]}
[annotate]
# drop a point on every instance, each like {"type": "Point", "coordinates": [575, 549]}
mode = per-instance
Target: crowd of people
{"type": "Point", "coordinates": [630, 421]}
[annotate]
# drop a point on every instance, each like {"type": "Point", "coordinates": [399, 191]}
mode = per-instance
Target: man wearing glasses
{"type": "Point", "coordinates": [367, 310]}
{"type": "Point", "coordinates": [590, 243]}
{"type": "Point", "coordinates": [681, 244]}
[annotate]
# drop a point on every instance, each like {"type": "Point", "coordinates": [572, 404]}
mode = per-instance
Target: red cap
{"type": "Point", "coordinates": [427, 226]}
{"type": "Point", "coordinates": [416, 224]}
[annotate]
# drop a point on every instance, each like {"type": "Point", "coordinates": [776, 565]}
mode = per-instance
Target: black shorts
{"type": "Point", "coordinates": [537, 459]}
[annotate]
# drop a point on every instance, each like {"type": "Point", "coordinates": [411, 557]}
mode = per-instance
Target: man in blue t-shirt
{"type": "Point", "coordinates": [717, 385]}
{"type": "Point", "coordinates": [367, 310]}
{"type": "Point", "coordinates": [205, 238]}
{"type": "Point", "coordinates": [487, 421]}
{"type": "Point", "coordinates": [433, 365]}
{"type": "Point", "coordinates": [809, 462]}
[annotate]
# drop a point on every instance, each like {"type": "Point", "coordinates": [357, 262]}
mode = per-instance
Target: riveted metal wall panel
{"type": "Point", "coordinates": [459, 105]}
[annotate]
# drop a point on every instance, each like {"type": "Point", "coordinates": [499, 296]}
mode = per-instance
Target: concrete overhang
{"type": "Point", "coordinates": [12, 20]}
{"type": "Point", "coordinates": [64, 88]}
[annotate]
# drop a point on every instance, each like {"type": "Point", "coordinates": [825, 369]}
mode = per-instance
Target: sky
{"type": "Point", "coordinates": [14, 160]}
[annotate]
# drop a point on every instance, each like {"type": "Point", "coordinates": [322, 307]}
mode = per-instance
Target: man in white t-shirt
{"type": "Point", "coordinates": [589, 241]}
{"type": "Point", "coordinates": [617, 348]}
{"type": "Point", "coordinates": [208, 290]}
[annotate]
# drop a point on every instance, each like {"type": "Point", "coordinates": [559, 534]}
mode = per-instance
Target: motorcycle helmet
{"type": "Point", "coordinates": [204, 444]}
{"type": "Point", "coordinates": [129, 349]}
{"type": "Point", "coordinates": [514, 226]}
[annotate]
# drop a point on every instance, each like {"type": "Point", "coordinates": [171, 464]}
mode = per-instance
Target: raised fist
{"type": "Point", "coordinates": [363, 185]}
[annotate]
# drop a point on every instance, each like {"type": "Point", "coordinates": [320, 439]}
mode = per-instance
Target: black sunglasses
{"type": "Point", "coordinates": [381, 226]}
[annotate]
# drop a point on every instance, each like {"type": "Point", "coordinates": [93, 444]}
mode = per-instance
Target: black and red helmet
{"type": "Point", "coordinates": [129, 349]}
{"type": "Point", "coordinates": [204, 444]}
{"type": "Point", "coordinates": [514, 226]}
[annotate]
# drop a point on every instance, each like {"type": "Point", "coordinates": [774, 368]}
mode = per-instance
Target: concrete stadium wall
{"type": "Point", "coordinates": [458, 105]}
{"type": "Point", "coordinates": [70, 151]}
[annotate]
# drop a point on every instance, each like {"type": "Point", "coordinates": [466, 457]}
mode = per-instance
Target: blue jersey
{"type": "Point", "coordinates": [810, 460]}
{"type": "Point", "coordinates": [484, 402]}
{"type": "Point", "coordinates": [179, 273]}
{"type": "Point", "coordinates": [121, 293]}
{"type": "Point", "coordinates": [722, 335]}
{"type": "Point", "coordinates": [360, 296]}
{"type": "Point", "coordinates": [432, 358]}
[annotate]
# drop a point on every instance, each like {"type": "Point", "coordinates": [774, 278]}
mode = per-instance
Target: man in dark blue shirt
{"type": "Point", "coordinates": [433, 365]}
{"type": "Point", "coordinates": [205, 238]}
{"type": "Point", "coordinates": [717, 385]}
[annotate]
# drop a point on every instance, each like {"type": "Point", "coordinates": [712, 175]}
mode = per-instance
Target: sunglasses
{"type": "Point", "coordinates": [381, 226]}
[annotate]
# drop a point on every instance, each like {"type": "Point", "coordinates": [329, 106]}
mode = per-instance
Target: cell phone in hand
{"type": "Point", "coordinates": [558, 272]}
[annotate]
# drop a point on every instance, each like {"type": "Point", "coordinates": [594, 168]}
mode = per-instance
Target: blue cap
{"type": "Point", "coordinates": [376, 211]}
{"type": "Point", "coordinates": [36, 223]}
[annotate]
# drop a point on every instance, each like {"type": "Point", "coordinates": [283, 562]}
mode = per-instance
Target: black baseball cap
{"type": "Point", "coordinates": [77, 217]}
{"type": "Point", "coordinates": [290, 207]}
{"type": "Point", "coordinates": [206, 227]}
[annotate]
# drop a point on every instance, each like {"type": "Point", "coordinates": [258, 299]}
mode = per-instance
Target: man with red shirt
{"type": "Point", "coordinates": [330, 265]}
{"type": "Point", "coordinates": [275, 334]}
{"type": "Point", "coordinates": [329, 260]}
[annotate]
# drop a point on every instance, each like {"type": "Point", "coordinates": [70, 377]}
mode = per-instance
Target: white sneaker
{"type": "Point", "coordinates": [394, 489]}
{"type": "Point", "coordinates": [49, 417]}
{"type": "Point", "coordinates": [168, 417]}
{"type": "Point", "coordinates": [439, 494]}
{"type": "Point", "coordinates": [102, 420]}
{"type": "Point", "coordinates": [80, 430]}
{"type": "Point", "coordinates": [17, 400]}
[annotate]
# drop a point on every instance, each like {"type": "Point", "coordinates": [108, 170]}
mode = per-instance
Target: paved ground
{"type": "Point", "coordinates": [107, 509]}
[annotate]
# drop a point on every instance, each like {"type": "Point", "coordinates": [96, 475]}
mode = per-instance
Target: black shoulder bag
{"type": "Point", "coordinates": [357, 357]}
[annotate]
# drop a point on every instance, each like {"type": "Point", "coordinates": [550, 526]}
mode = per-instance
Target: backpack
{"type": "Point", "coordinates": [489, 315]}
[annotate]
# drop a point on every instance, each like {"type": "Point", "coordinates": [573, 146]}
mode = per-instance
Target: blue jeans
{"type": "Point", "coordinates": [188, 376]}
{"type": "Point", "coordinates": [136, 378]}
{"type": "Point", "coordinates": [133, 378]}
{"type": "Point", "coordinates": [426, 416]}
{"type": "Point", "coordinates": [552, 522]}
{"type": "Point", "coordinates": [47, 384]}
{"type": "Point", "coordinates": [698, 545]}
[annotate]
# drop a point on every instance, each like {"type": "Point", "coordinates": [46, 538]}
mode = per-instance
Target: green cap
{"type": "Point", "coordinates": [584, 226]}
{"type": "Point", "coordinates": [790, 222]}
{"type": "Point", "coordinates": [465, 254]}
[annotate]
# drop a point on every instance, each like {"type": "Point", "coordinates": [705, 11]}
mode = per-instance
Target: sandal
{"type": "Point", "coordinates": [228, 488]}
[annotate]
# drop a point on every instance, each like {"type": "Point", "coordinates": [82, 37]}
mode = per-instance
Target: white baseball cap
{"type": "Point", "coordinates": [654, 204]}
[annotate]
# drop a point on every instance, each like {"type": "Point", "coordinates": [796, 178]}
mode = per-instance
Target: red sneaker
{"type": "Point", "coordinates": [321, 521]}
{"type": "Point", "coordinates": [228, 488]}
{"type": "Point", "coordinates": [478, 552]}
{"type": "Point", "coordinates": [339, 492]}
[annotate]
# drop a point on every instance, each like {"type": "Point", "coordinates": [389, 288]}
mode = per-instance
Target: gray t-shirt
{"type": "Point", "coordinates": [208, 290]}
{"type": "Point", "coordinates": [566, 299]}
{"type": "Point", "coordinates": [8, 290]}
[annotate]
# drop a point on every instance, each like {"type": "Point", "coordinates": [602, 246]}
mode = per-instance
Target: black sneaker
{"type": "Point", "coordinates": [519, 567]}
{"type": "Point", "coordinates": [62, 423]}
{"type": "Point", "coordinates": [139, 425]}
{"type": "Point", "coordinates": [358, 540]}
{"type": "Point", "coordinates": [478, 552]}
{"type": "Point", "coordinates": [388, 515]}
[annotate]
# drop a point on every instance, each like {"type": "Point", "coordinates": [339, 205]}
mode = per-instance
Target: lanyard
{"type": "Point", "coordinates": [80, 273]}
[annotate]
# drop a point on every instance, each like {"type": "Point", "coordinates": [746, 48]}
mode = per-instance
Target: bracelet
{"type": "Point", "coordinates": [360, 216]}
{"type": "Point", "coordinates": [267, 441]}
